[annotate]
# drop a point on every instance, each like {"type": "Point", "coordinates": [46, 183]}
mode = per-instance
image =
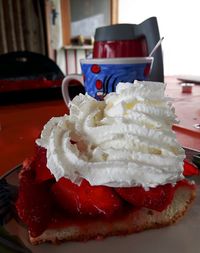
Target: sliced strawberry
{"type": "Point", "coordinates": [34, 204]}
{"type": "Point", "coordinates": [86, 199]}
{"type": "Point", "coordinates": [185, 183]}
{"type": "Point", "coordinates": [157, 198]}
{"type": "Point", "coordinates": [41, 170]}
{"type": "Point", "coordinates": [190, 169]}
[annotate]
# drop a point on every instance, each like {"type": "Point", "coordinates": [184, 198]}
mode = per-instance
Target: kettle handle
{"type": "Point", "coordinates": [149, 29]}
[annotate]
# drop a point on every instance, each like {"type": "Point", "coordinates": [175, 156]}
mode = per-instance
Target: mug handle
{"type": "Point", "coordinates": [65, 86]}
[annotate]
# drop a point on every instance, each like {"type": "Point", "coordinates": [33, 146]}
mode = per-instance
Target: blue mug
{"type": "Point", "coordinates": [100, 76]}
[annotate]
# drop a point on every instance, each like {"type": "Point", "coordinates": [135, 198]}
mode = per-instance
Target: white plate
{"type": "Point", "coordinates": [189, 79]}
{"type": "Point", "coordinates": [181, 237]}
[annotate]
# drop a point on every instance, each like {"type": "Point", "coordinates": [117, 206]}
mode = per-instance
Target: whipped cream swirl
{"type": "Point", "coordinates": [125, 140]}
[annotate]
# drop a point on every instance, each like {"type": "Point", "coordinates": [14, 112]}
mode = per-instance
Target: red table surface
{"type": "Point", "coordinates": [21, 124]}
{"type": "Point", "coordinates": [187, 109]}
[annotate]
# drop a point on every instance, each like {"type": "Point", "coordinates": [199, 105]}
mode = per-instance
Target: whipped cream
{"type": "Point", "coordinates": [125, 140]}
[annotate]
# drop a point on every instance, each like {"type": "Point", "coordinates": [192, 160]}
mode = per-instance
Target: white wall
{"type": "Point", "coordinates": [179, 23]}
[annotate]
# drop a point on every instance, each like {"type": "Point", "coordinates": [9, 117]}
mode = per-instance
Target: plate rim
{"type": "Point", "coordinates": [7, 173]}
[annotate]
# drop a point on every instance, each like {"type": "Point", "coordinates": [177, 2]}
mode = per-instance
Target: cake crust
{"type": "Point", "coordinates": [133, 222]}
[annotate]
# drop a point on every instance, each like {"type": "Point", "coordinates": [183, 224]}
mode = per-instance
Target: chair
{"type": "Point", "coordinates": [28, 76]}
{"type": "Point", "coordinates": [131, 40]}
{"type": "Point", "coordinates": [28, 65]}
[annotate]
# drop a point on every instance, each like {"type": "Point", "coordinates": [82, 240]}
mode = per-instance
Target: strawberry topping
{"type": "Point", "coordinates": [157, 198]}
{"type": "Point", "coordinates": [190, 169]}
{"type": "Point", "coordinates": [34, 204]}
{"type": "Point", "coordinates": [41, 197]}
{"type": "Point", "coordinates": [86, 199]}
{"type": "Point", "coordinates": [41, 170]}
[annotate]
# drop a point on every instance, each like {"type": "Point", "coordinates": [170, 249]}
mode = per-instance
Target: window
{"type": "Point", "coordinates": [179, 25]}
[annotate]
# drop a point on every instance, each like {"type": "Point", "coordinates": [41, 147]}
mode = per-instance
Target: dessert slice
{"type": "Point", "coordinates": [132, 221]}
{"type": "Point", "coordinates": [63, 211]}
{"type": "Point", "coordinates": [110, 167]}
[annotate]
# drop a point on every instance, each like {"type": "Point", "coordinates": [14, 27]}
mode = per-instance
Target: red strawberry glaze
{"type": "Point", "coordinates": [185, 183]}
{"type": "Point", "coordinates": [34, 205]}
{"type": "Point", "coordinates": [44, 203]}
{"type": "Point", "coordinates": [190, 169]}
{"type": "Point", "coordinates": [61, 219]}
{"type": "Point", "coordinates": [86, 200]}
{"type": "Point", "coordinates": [41, 170]}
{"type": "Point", "coordinates": [158, 198]}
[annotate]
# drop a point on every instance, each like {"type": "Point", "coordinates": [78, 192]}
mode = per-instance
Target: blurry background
{"type": "Point", "coordinates": [22, 26]}
{"type": "Point", "coordinates": [179, 24]}
{"type": "Point", "coordinates": [62, 29]}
